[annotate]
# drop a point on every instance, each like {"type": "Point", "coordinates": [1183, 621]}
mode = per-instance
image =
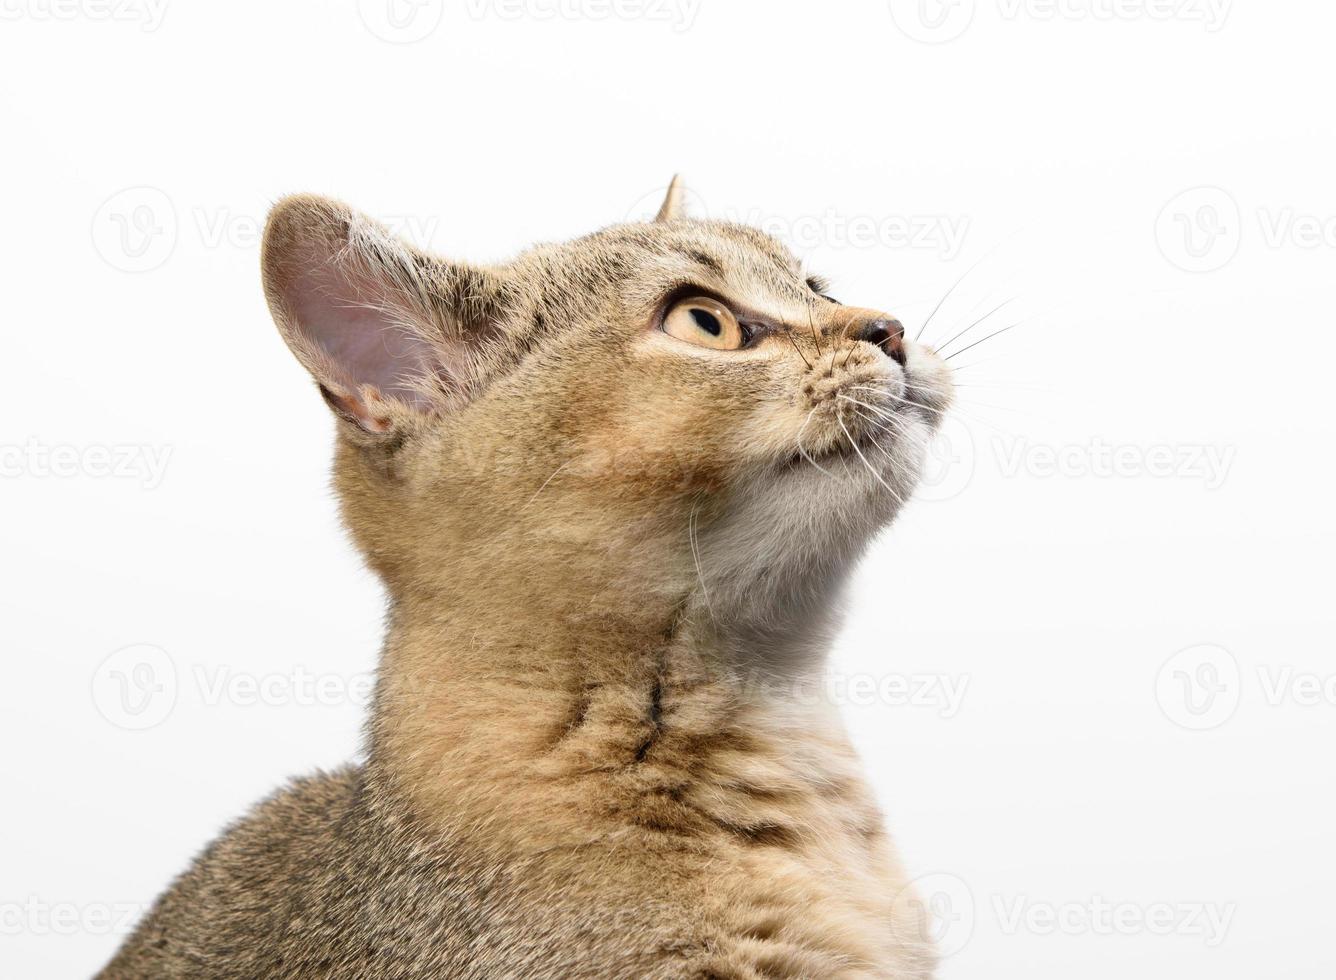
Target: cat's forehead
{"type": "Point", "coordinates": [644, 258]}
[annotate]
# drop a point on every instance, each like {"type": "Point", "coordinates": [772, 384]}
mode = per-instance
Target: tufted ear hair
{"type": "Point", "coordinates": [386, 330]}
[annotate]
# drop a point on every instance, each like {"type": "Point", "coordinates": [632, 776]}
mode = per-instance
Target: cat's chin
{"type": "Point", "coordinates": [860, 484]}
{"type": "Point", "coordinates": [852, 448]}
{"type": "Point", "coordinates": [881, 450]}
{"type": "Point", "coordinates": [781, 552]}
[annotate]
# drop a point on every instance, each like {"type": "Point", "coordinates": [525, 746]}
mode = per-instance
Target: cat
{"type": "Point", "coordinates": [614, 489]}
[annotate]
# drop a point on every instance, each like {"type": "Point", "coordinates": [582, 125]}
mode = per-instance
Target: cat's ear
{"type": "Point", "coordinates": [674, 205]}
{"type": "Point", "coordinates": [386, 330]}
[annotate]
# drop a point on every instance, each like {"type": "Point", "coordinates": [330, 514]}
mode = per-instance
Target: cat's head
{"type": "Point", "coordinates": [654, 420]}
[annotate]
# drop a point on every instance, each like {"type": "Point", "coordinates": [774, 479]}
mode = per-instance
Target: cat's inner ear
{"type": "Point", "coordinates": [385, 329]}
{"type": "Point", "coordinates": [674, 204]}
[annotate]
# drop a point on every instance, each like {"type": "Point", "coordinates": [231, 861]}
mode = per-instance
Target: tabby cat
{"type": "Point", "coordinates": [614, 489]}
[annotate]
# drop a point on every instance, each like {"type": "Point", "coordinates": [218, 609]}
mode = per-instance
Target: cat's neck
{"type": "Point", "coordinates": [529, 677]}
{"type": "Point", "coordinates": [576, 709]}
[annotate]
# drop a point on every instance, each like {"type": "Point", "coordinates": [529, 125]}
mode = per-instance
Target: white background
{"type": "Point", "coordinates": [1089, 765]}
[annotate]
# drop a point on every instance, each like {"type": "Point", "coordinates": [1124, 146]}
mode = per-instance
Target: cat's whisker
{"type": "Point", "coordinates": [896, 426]}
{"type": "Point", "coordinates": [872, 408]}
{"type": "Point", "coordinates": [885, 422]}
{"type": "Point", "coordinates": [954, 286]}
{"type": "Point", "coordinates": [956, 409]}
{"type": "Point", "coordinates": [884, 451]}
{"type": "Point", "coordinates": [962, 367]}
{"type": "Point", "coordinates": [998, 408]}
{"type": "Point", "coordinates": [870, 468]}
{"type": "Point", "coordinates": [883, 416]}
{"type": "Point", "coordinates": [1006, 386]}
{"type": "Point", "coordinates": [812, 326]}
{"type": "Point", "coordinates": [695, 556]}
{"type": "Point", "coordinates": [941, 349]}
{"type": "Point", "coordinates": [899, 398]}
{"type": "Point", "coordinates": [984, 300]}
{"type": "Point", "coordinates": [1028, 319]}
{"type": "Point", "coordinates": [525, 506]}
{"type": "Point", "coordinates": [957, 368]}
{"type": "Point", "coordinates": [943, 412]}
{"type": "Point", "coordinates": [803, 452]}
{"type": "Point", "coordinates": [995, 333]}
{"type": "Point", "coordinates": [798, 349]}
{"type": "Point", "coordinates": [546, 482]}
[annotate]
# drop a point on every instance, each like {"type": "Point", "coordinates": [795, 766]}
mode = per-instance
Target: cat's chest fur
{"type": "Point", "coordinates": [709, 838]}
{"type": "Point", "coordinates": [674, 825]}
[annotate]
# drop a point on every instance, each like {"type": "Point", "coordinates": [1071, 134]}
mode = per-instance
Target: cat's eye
{"type": "Point", "coordinates": [705, 322]}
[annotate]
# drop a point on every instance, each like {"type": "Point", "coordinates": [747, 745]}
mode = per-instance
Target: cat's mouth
{"type": "Point", "coordinates": [851, 444]}
{"type": "Point", "coordinates": [868, 426]}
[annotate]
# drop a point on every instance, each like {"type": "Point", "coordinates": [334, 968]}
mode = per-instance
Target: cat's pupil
{"type": "Point", "coordinates": [708, 322]}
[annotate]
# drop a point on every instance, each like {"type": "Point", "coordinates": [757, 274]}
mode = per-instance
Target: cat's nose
{"type": "Point", "coordinates": [886, 333]}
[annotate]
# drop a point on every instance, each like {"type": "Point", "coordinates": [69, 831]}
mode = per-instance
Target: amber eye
{"type": "Point", "coordinates": [704, 322]}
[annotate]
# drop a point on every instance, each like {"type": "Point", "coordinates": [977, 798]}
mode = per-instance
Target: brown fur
{"type": "Point", "coordinates": [614, 560]}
